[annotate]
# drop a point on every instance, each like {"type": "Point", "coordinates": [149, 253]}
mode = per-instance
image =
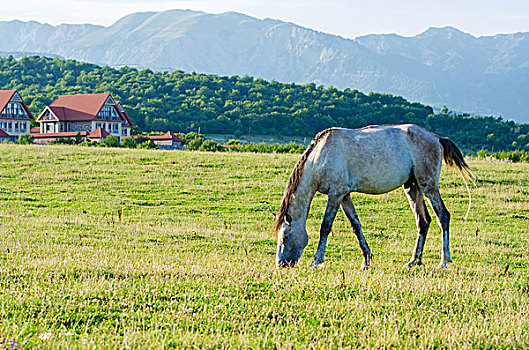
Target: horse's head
{"type": "Point", "coordinates": [292, 238]}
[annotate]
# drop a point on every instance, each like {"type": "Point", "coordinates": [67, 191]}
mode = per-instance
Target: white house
{"type": "Point", "coordinates": [15, 116]}
{"type": "Point", "coordinates": [84, 114]}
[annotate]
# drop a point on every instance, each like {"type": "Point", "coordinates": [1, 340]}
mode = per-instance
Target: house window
{"type": "Point", "coordinates": [14, 110]}
{"type": "Point", "coordinates": [9, 126]}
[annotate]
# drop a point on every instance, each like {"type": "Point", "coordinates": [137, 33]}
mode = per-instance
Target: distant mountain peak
{"type": "Point", "coordinates": [447, 32]}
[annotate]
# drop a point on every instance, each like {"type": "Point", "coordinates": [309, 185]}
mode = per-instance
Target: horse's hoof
{"type": "Point", "coordinates": [442, 266]}
{"type": "Point", "coordinates": [314, 264]}
{"type": "Point", "coordinates": [408, 265]}
{"type": "Point", "coordinates": [365, 267]}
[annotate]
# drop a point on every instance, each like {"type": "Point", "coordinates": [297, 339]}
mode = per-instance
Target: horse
{"type": "Point", "coordinates": [375, 159]}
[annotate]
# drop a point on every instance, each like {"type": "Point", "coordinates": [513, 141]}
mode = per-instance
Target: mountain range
{"type": "Point", "coordinates": [442, 66]}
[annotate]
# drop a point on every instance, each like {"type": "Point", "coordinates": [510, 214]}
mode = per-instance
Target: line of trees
{"type": "Point", "coordinates": [184, 102]}
{"type": "Point", "coordinates": [197, 142]}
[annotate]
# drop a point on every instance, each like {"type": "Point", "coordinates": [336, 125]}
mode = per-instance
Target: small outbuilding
{"type": "Point", "coordinates": [98, 135]}
{"type": "Point", "coordinates": [167, 141]}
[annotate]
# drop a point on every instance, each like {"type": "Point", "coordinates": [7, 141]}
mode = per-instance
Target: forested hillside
{"type": "Point", "coordinates": [184, 102]}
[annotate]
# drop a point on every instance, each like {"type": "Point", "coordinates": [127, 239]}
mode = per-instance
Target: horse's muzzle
{"type": "Point", "coordinates": [285, 263]}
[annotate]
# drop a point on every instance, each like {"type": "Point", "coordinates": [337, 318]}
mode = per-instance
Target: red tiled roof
{"type": "Point", "coordinates": [35, 130]}
{"type": "Point", "coordinates": [98, 133]}
{"type": "Point", "coordinates": [4, 134]}
{"type": "Point", "coordinates": [78, 107]}
{"type": "Point", "coordinates": [167, 136]}
{"type": "Point", "coordinates": [124, 114]}
{"type": "Point", "coordinates": [5, 97]}
{"type": "Point", "coordinates": [59, 134]}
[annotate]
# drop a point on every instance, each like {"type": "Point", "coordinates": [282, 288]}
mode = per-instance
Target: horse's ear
{"type": "Point", "coordinates": [288, 219]}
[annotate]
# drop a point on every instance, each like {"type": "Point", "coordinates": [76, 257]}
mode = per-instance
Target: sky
{"type": "Point", "coordinates": [347, 18]}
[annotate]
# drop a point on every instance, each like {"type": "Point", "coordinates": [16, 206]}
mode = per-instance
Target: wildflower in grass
{"type": "Point", "coordinates": [46, 336]}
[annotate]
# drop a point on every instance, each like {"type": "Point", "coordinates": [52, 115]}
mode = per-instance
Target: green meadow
{"type": "Point", "coordinates": [119, 248]}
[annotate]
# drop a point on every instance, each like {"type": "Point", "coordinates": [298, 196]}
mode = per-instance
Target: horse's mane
{"type": "Point", "coordinates": [295, 178]}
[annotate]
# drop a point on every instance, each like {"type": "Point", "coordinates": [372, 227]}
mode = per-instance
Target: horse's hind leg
{"type": "Point", "coordinates": [350, 212]}
{"type": "Point", "coordinates": [422, 218]}
{"type": "Point", "coordinates": [443, 219]}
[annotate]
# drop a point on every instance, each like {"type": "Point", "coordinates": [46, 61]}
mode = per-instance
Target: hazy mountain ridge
{"type": "Point", "coordinates": [484, 75]}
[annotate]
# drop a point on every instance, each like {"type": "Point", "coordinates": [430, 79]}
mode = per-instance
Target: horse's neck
{"type": "Point", "coordinates": [299, 207]}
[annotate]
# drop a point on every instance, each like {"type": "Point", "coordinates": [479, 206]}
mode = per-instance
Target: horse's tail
{"type": "Point", "coordinates": [454, 159]}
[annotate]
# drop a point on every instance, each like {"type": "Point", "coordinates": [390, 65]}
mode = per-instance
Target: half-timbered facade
{"type": "Point", "coordinates": [15, 117]}
{"type": "Point", "coordinates": [85, 113]}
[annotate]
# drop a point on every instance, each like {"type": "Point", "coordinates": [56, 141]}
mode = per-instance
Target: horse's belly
{"type": "Point", "coordinates": [381, 178]}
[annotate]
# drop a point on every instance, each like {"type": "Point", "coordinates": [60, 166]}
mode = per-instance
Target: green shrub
{"type": "Point", "coordinates": [25, 139]}
{"type": "Point", "coordinates": [513, 156]}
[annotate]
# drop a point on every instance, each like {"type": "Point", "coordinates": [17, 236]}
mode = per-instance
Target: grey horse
{"type": "Point", "coordinates": [374, 160]}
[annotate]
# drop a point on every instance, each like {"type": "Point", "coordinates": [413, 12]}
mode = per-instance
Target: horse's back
{"type": "Point", "coordinates": [375, 159]}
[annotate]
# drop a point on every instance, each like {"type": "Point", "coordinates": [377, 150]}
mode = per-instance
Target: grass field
{"type": "Point", "coordinates": [117, 248]}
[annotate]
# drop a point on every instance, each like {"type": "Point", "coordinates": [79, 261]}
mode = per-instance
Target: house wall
{"type": "Point", "coordinates": [113, 127]}
{"type": "Point", "coordinates": [168, 144]}
{"type": "Point", "coordinates": [15, 127]}
{"type": "Point", "coordinates": [49, 127]}
{"type": "Point", "coordinates": [79, 126]}
{"type": "Point", "coordinates": [163, 142]}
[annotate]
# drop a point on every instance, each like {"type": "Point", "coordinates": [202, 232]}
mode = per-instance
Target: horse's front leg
{"type": "Point", "coordinates": [350, 212]}
{"type": "Point", "coordinates": [333, 203]}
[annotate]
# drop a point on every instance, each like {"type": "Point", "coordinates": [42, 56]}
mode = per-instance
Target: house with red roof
{"type": "Point", "coordinates": [84, 114]}
{"type": "Point", "coordinates": [167, 141]}
{"type": "Point", "coordinates": [15, 116]}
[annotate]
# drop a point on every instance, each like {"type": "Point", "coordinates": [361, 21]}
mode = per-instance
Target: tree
{"type": "Point", "coordinates": [110, 141]}
{"type": "Point", "coordinates": [25, 139]}
{"type": "Point", "coordinates": [181, 102]}
{"type": "Point", "coordinates": [208, 145]}
{"type": "Point", "coordinates": [78, 138]}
